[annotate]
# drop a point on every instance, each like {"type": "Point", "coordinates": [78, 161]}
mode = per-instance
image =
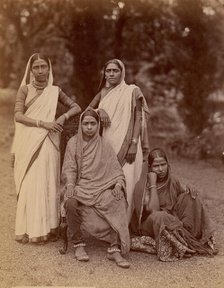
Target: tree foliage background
{"type": "Point", "coordinates": [173, 49]}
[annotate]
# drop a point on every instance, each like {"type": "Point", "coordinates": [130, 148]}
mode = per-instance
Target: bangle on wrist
{"type": "Point", "coordinates": [70, 184]}
{"type": "Point", "coordinates": [134, 141]}
{"type": "Point", "coordinates": [152, 186]}
{"type": "Point", "coordinates": [38, 123]}
{"type": "Point", "coordinates": [118, 184]}
{"type": "Point", "coordinates": [66, 116]}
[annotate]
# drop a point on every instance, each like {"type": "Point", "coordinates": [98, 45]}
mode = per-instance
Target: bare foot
{"type": "Point", "coordinates": [80, 254]}
{"type": "Point", "coordinates": [119, 260]}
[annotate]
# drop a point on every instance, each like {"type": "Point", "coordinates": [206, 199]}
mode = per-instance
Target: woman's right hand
{"type": "Point", "coordinates": [69, 192]}
{"type": "Point", "coordinates": [52, 126]}
{"type": "Point", "coordinates": [104, 117]}
{"type": "Point", "coordinates": [118, 192]}
{"type": "Point", "coordinates": [152, 178]}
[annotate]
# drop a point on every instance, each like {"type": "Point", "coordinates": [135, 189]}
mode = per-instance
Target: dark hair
{"type": "Point", "coordinates": [91, 112]}
{"type": "Point", "coordinates": [103, 80]}
{"type": "Point", "coordinates": [155, 153]}
{"type": "Point", "coordinates": [37, 56]}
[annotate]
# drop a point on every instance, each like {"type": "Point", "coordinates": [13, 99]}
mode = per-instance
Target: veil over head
{"type": "Point", "coordinates": [28, 75]}
{"type": "Point", "coordinates": [120, 65]}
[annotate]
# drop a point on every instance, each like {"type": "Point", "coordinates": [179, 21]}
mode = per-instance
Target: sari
{"type": "Point", "coordinates": [120, 105]}
{"type": "Point", "coordinates": [180, 229]}
{"type": "Point", "coordinates": [37, 166]}
{"type": "Point", "coordinates": [94, 170]}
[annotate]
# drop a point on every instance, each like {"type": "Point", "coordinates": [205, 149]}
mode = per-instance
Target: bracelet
{"type": "Point", "coordinates": [79, 245]}
{"type": "Point", "coordinates": [134, 141]}
{"type": "Point", "coordinates": [152, 186]}
{"type": "Point", "coordinates": [118, 184]}
{"type": "Point", "coordinates": [38, 123]}
{"type": "Point", "coordinates": [70, 184]}
{"type": "Point", "coordinates": [66, 116]}
{"type": "Point", "coordinates": [112, 250]}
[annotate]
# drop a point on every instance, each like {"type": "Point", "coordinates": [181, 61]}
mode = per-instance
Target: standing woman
{"type": "Point", "coordinates": [123, 112]}
{"type": "Point", "coordinates": [36, 151]}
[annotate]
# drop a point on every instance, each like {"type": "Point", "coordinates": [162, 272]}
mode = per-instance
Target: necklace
{"type": "Point", "coordinates": [39, 85]}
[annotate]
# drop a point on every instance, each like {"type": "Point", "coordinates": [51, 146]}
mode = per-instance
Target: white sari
{"type": "Point", "coordinates": [37, 168]}
{"type": "Point", "coordinates": [118, 105]}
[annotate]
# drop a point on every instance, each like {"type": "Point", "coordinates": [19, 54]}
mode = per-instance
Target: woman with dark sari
{"type": "Point", "coordinates": [94, 191]}
{"type": "Point", "coordinates": [168, 220]}
{"type": "Point", "coordinates": [36, 151]}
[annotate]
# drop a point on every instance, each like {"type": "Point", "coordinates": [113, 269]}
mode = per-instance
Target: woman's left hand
{"type": "Point", "coordinates": [130, 157]}
{"type": "Point", "coordinates": [117, 192]}
{"type": "Point", "coordinates": [192, 191]}
{"type": "Point", "coordinates": [104, 117]}
{"type": "Point", "coordinates": [61, 120]}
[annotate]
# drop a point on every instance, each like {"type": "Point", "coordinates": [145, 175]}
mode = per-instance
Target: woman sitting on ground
{"type": "Point", "coordinates": [94, 191]}
{"type": "Point", "coordinates": [174, 217]}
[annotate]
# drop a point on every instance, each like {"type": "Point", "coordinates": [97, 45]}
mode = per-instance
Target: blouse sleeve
{"type": "Point", "coordinates": [20, 100]}
{"type": "Point", "coordinates": [65, 100]}
{"type": "Point", "coordinates": [137, 95]}
{"type": "Point", "coordinates": [179, 187]}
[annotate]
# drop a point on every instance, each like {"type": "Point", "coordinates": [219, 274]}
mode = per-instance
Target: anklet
{"type": "Point", "coordinates": [79, 245]}
{"type": "Point", "coordinates": [112, 250]}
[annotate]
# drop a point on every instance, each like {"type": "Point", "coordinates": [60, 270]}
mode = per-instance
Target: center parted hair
{"type": "Point", "coordinates": [155, 153]}
{"type": "Point", "coordinates": [114, 61]}
{"type": "Point", "coordinates": [37, 56]}
{"type": "Point", "coordinates": [91, 112]}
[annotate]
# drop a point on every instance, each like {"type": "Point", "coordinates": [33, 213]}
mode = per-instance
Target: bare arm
{"type": "Point", "coordinates": [105, 119]}
{"type": "Point", "coordinates": [138, 119]}
{"type": "Point", "coordinates": [153, 202]}
{"type": "Point", "coordinates": [136, 132]}
{"type": "Point", "coordinates": [95, 102]}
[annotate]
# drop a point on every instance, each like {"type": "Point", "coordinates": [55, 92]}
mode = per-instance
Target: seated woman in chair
{"type": "Point", "coordinates": [170, 221]}
{"type": "Point", "coordinates": [94, 191]}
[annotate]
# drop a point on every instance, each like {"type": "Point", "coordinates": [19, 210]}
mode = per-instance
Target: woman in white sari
{"type": "Point", "coordinates": [36, 151]}
{"type": "Point", "coordinates": [124, 113]}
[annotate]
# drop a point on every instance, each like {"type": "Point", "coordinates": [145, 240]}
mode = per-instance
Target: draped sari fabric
{"type": "Point", "coordinates": [94, 170]}
{"type": "Point", "coordinates": [36, 169]}
{"type": "Point", "coordinates": [120, 104]}
{"type": "Point", "coordinates": [182, 225]}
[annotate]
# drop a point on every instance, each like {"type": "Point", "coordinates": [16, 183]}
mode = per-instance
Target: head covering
{"type": "Point", "coordinates": [90, 112]}
{"type": "Point", "coordinates": [79, 151]}
{"type": "Point", "coordinates": [28, 75]}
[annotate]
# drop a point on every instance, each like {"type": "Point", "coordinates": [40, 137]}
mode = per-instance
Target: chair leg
{"type": "Point", "coordinates": [63, 231]}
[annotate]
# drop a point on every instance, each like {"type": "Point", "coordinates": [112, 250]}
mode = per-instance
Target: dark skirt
{"type": "Point", "coordinates": [182, 232]}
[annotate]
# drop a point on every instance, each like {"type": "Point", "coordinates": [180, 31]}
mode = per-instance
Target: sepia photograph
{"type": "Point", "coordinates": [112, 143]}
